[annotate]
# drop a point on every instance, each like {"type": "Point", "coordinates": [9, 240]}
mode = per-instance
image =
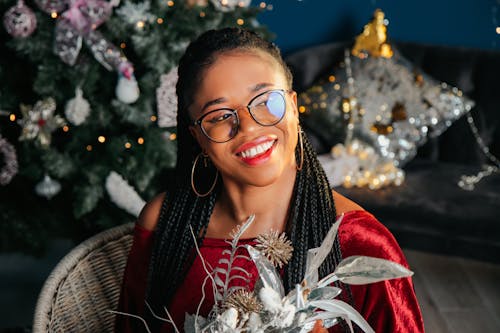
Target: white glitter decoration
{"type": "Point", "coordinates": [8, 164]}
{"type": "Point", "coordinates": [48, 187]}
{"type": "Point", "coordinates": [229, 5]}
{"type": "Point", "coordinates": [77, 109]}
{"type": "Point", "coordinates": [166, 99]}
{"type": "Point", "coordinates": [133, 13]}
{"type": "Point", "coordinates": [393, 106]}
{"type": "Point", "coordinates": [123, 195]}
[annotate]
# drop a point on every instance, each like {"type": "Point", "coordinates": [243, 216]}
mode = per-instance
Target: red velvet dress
{"type": "Point", "coordinates": [388, 306]}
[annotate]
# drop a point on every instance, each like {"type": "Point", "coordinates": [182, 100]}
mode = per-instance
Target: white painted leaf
{"type": "Point", "coordinates": [267, 272]}
{"type": "Point", "coordinates": [323, 251]}
{"type": "Point", "coordinates": [336, 306]}
{"type": "Point", "coordinates": [363, 270]}
{"type": "Point", "coordinates": [243, 228]}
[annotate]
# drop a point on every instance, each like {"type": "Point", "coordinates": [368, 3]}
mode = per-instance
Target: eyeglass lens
{"type": "Point", "coordinates": [267, 109]}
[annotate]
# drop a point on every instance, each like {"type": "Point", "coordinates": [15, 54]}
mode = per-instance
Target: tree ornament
{"type": "Point", "coordinates": [19, 20]}
{"type": "Point", "coordinates": [123, 195]}
{"type": "Point", "coordinates": [229, 5]}
{"type": "Point", "coordinates": [39, 122]}
{"type": "Point", "coordinates": [77, 109]}
{"type": "Point", "coordinates": [48, 187]}
{"type": "Point", "coordinates": [166, 99]}
{"type": "Point", "coordinates": [9, 167]}
{"type": "Point", "coordinates": [127, 89]}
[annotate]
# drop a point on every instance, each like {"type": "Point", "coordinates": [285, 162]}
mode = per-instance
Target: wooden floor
{"type": "Point", "coordinates": [456, 295]}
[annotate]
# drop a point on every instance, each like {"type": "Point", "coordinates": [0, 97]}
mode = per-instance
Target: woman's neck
{"type": "Point", "coordinates": [270, 205]}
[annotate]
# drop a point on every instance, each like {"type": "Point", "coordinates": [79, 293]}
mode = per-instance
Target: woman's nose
{"type": "Point", "coordinates": [247, 123]}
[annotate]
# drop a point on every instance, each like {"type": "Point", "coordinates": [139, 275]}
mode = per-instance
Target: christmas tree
{"type": "Point", "coordinates": [85, 132]}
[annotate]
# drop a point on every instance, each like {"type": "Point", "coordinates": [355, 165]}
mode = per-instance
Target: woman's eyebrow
{"type": "Point", "coordinates": [259, 86]}
{"type": "Point", "coordinates": [213, 102]}
{"type": "Point", "coordinates": [219, 100]}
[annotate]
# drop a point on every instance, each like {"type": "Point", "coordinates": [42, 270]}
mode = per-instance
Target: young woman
{"type": "Point", "coordinates": [240, 152]}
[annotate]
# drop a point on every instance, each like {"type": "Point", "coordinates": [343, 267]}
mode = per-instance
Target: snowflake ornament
{"type": "Point", "coordinates": [39, 122]}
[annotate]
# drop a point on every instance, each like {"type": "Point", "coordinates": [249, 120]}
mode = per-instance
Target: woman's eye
{"type": "Point", "coordinates": [219, 117]}
{"type": "Point", "coordinates": [259, 103]}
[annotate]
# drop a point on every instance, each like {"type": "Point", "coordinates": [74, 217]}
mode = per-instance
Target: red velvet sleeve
{"type": "Point", "coordinates": [134, 282]}
{"type": "Point", "coordinates": [388, 306]}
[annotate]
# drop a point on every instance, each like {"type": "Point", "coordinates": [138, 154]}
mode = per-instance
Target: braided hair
{"type": "Point", "coordinates": [312, 207]}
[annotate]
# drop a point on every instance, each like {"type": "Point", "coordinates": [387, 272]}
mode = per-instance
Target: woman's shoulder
{"type": "Point", "coordinates": [344, 205]}
{"type": "Point", "coordinates": [148, 218]}
{"type": "Point", "coordinates": [360, 233]}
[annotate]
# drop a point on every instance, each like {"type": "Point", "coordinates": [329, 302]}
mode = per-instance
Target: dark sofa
{"type": "Point", "coordinates": [429, 211]}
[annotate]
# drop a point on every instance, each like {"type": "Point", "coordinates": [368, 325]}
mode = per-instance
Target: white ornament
{"type": "Point", "coordinates": [77, 109]}
{"type": "Point", "coordinates": [166, 99]}
{"type": "Point", "coordinates": [48, 187]}
{"type": "Point", "coordinates": [127, 90]}
{"type": "Point", "coordinates": [229, 5]}
{"type": "Point", "coordinates": [123, 195]}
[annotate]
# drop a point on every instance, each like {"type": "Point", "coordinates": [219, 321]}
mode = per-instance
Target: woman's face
{"type": "Point", "coordinates": [257, 155]}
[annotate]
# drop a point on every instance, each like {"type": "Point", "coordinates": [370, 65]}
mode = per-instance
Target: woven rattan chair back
{"type": "Point", "coordinates": [84, 285]}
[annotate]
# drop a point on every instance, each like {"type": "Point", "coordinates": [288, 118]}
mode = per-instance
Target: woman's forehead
{"type": "Point", "coordinates": [237, 69]}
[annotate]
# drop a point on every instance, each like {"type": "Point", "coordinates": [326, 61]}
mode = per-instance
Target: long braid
{"type": "Point", "coordinates": [312, 210]}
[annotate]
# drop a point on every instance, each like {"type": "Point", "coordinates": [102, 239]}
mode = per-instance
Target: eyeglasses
{"type": "Point", "coordinates": [221, 125]}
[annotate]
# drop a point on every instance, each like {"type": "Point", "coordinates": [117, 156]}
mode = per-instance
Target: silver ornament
{"type": "Point", "coordinates": [166, 99]}
{"type": "Point", "coordinates": [77, 109]}
{"type": "Point", "coordinates": [48, 187]}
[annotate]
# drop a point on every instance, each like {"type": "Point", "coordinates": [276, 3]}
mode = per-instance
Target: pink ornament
{"type": "Point", "coordinates": [19, 20]}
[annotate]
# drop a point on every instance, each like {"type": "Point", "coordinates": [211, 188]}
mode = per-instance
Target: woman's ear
{"type": "Point", "coordinates": [199, 137]}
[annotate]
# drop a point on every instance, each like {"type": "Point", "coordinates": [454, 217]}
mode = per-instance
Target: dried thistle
{"type": "Point", "coordinates": [277, 248]}
{"type": "Point", "coordinates": [243, 301]}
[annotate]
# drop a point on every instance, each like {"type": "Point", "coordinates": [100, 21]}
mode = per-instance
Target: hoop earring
{"type": "Point", "coordinates": [301, 152]}
{"type": "Point", "coordinates": [201, 195]}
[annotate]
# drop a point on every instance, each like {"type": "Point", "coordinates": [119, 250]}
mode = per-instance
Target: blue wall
{"type": "Point", "coordinates": [302, 23]}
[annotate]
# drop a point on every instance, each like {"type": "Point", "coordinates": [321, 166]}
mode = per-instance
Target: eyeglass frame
{"type": "Point", "coordinates": [235, 112]}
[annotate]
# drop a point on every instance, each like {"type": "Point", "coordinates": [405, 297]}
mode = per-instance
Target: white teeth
{"type": "Point", "coordinates": [257, 150]}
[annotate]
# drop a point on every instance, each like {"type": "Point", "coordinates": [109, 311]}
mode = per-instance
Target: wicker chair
{"type": "Point", "coordinates": [84, 285]}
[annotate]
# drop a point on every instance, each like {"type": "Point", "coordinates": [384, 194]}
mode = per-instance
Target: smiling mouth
{"type": "Point", "coordinates": [258, 150]}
